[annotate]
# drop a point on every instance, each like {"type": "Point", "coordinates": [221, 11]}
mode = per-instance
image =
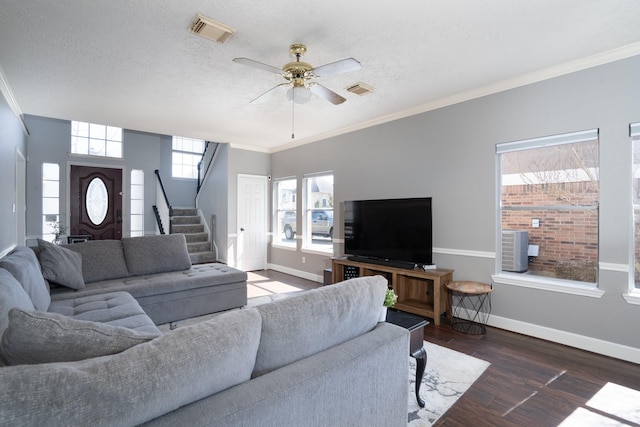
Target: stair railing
{"type": "Point", "coordinates": [162, 209]}
{"type": "Point", "coordinates": [208, 154]}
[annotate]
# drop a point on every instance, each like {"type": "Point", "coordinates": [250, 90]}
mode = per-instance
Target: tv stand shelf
{"type": "Point", "coordinates": [419, 292]}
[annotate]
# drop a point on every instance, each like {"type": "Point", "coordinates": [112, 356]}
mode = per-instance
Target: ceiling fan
{"type": "Point", "coordinates": [300, 76]}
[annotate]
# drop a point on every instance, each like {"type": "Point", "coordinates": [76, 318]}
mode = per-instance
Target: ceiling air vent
{"type": "Point", "coordinates": [360, 89]}
{"type": "Point", "coordinates": [210, 29]}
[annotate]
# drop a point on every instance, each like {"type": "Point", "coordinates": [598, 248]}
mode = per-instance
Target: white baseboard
{"type": "Point", "coordinates": [297, 273]}
{"type": "Point", "coordinates": [607, 348]}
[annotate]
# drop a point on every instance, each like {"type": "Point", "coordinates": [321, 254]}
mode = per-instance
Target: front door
{"type": "Point", "coordinates": [96, 202]}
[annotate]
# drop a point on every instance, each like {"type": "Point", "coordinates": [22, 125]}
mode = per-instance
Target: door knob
{"type": "Point", "coordinates": [241, 229]}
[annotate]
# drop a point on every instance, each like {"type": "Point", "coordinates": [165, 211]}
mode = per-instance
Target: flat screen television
{"type": "Point", "coordinates": [389, 230]}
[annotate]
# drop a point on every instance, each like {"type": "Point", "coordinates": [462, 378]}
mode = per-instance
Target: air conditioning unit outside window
{"type": "Point", "coordinates": [515, 250]}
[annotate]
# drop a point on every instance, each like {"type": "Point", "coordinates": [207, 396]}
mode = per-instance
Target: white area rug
{"type": "Point", "coordinates": [447, 376]}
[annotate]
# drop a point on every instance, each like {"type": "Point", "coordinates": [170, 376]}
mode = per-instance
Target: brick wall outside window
{"type": "Point", "coordinates": [568, 239]}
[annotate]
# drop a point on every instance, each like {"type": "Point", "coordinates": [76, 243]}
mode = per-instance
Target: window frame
{"type": "Point", "coordinates": [54, 200]}
{"type": "Point", "coordinates": [279, 210]}
{"type": "Point", "coordinates": [308, 244]}
{"type": "Point", "coordinates": [632, 296]}
{"type": "Point", "coordinates": [554, 284]}
{"type": "Point", "coordinates": [136, 187]}
{"type": "Point", "coordinates": [189, 153]}
{"type": "Point", "coordinates": [108, 136]}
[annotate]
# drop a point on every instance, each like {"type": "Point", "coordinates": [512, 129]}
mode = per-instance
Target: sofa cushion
{"type": "Point", "coordinates": [24, 266]}
{"type": "Point", "coordinates": [139, 384]}
{"type": "Point", "coordinates": [156, 254]}
{"type": "Point", "coordinates": [101, 259]}
{"type": "Point", "coordinates": [297, 327]}
{"type": "Point", "coordinates": [60, 265]}
{"type": "Point", "coordinates": [40, 337]}
{"type": "Point", "coordinates": [113, 308]}
{"type": "Point", "coordinates": [11, 295]}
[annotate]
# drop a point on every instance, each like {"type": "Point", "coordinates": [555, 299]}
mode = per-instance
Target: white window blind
{"type": "Point", "coordinates": [547, 141]}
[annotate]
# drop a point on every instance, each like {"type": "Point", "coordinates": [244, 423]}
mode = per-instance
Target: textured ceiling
{"type": "Point", "coordinates": [135, 65]}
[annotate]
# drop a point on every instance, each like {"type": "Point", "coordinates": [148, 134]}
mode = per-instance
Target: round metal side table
{"type": "Point", "coordinates": [470, 304]}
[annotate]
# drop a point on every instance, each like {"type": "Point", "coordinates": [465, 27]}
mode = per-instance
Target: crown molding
{"type": "Point", "coordinates": [11, 100]}
{"type": "Point", "coordinates": [548, 73]}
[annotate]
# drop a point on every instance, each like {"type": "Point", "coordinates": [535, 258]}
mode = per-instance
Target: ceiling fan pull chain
{"type": "Point", "coordinates": [293, 109]}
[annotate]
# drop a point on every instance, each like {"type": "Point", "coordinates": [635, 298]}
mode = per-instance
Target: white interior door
{"type": "Point", "coordinates": [252, 222]}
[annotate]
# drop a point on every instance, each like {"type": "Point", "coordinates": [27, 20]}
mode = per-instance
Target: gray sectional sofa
{"type": "Point", "coordinates": [155, 270]}
{"type": "Point", "coordinates": [317, 359]}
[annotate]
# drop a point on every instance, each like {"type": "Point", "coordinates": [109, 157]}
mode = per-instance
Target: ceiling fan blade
{"type": "Point", "coordinates": [342, 66]}
{"type": "Point", "coordinates": [327, 94]}
{"type": "Point", "coordinates": [256, 64]}
{"type": "Point", "coordinates": [268, 94]}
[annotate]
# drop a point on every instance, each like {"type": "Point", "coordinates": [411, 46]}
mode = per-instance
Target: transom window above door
{"type": "Point", "coordinates": [92, 139]}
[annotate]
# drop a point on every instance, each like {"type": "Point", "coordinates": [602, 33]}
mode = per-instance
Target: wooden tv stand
{"type": "Point", "coordinates": [419, 292]}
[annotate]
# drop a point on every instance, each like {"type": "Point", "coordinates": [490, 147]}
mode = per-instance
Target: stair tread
{"type": "Point", "coordinates": [202, 257]}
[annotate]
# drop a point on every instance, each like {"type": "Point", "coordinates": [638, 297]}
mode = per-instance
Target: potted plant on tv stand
{"type": "Point", "coordinates": [390, 299]}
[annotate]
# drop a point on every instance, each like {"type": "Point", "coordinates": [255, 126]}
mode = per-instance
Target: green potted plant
{"type": "Point", "coordinates": [390, 298]}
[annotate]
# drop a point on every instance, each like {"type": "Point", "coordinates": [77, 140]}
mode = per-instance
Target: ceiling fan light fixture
{"type": "Point", "coordinates": [299, 94]}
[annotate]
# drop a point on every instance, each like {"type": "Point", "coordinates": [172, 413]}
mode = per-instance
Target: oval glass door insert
{"type": "Point", "coordinates": [97, 201]}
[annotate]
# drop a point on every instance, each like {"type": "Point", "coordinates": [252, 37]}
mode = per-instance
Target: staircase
{"type": "Point", "coordinates": [187, 222]}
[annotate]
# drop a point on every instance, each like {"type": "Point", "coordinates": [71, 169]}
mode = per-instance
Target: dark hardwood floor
{"type": "Point", "coordinates": [531, 382]}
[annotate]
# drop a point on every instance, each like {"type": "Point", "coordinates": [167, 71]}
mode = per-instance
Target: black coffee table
{"type": "Point", "coordinates": [415, 325]}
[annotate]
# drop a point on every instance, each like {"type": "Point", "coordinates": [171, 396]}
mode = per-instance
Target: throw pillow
{"type": "Point", "coordinates": [39, 337]}
{"type": "Point", "coordinates": [60, 265]}
{"type": "Point", "coordinates": [24, 266]}
{"type": "Point", "coordinates": [156, 254]}
{"type": "Point", "coordinates": [11, 295]}
{"type": "Point", "coordinates": [101, 259]}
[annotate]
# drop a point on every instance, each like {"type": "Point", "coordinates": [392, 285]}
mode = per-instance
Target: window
{"type": "Point", "coordinates": [285, 207]}
{"type": "Point", "coordinates": [137, 203]}
{"type": "Point", "coordinates": [90, 139]}
{"type": "Point", "coordinates": [318, 216]}
{"type": "Point", "coordinates": [549, 197]}
{"type": "Point", "coordinates": [635, 144]}
{"type": "Point", "coordinates": [186, 155]}
{"type": "Point", "coordinates": [52, 227]}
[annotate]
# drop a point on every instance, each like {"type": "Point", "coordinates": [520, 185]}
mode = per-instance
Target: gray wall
{"type": "Point", "coordinates": [12, 138]}
{"type": "Point", "coordinates": [449, 154]}
{"type": "Point", "coordinates": [49, 142]}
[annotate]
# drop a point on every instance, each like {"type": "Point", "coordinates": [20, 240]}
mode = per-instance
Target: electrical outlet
{"type": "Point", "coordinates": [304, 259]}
